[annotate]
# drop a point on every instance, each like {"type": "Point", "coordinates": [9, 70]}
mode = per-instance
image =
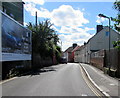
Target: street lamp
{"type": "Point", "coordinates": [109, 18]}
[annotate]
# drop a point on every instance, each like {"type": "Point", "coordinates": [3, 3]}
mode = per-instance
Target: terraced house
{"type": "Point", "coordinates": [96, 50]}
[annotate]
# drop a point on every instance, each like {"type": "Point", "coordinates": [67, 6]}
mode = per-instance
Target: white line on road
{"type": "Point", "coordinates": [112, 84]}
{"type": "Point", "coordinates": [8, 80]}
{"type": "Point", "coordinates": [94, 91]}
{"type": "Point", "coordinates": [84, 95]}
{"type": "Point", "coordinates": [106, 94]}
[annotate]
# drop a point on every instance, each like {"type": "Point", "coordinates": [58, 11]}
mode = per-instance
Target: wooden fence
{"type": "Point", "coordinates": [114, 60]}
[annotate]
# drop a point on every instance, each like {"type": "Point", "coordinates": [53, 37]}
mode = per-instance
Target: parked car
{"type": "Point", "coordinates": [63, 60]}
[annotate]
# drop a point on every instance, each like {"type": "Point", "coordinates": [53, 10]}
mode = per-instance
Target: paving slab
{"type": "Point", "coordinates": [107, 84]}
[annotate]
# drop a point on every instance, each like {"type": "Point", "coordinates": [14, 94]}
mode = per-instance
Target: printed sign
{"type": "Point", "coordinates": [15, 38]}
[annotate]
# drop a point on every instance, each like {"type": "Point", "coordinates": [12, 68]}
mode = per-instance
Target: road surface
{"type": "Point", "coordinates": [60, 80]}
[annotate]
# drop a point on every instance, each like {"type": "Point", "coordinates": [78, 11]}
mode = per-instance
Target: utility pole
{"type": "Point", "coordinates": [32, 41]}
{"type": "Point", "coordinates": [36, 18]}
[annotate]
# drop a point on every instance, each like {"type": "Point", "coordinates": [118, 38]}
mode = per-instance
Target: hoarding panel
{"type": "Point", "coordinates": [16, 39]}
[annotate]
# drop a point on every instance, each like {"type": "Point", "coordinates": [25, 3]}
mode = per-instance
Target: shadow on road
{"type": "Point", "coordinates": [38, 71]}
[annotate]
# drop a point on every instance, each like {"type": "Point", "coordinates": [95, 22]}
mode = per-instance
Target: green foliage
{"type": "Point", "coordinates": [44, 39]}
{"type": "Point", "coordinates": [58, 53]}
{"type": "Point", "coordinates": [117, 19]}
{"type": "Point", "coordinates": [13, 72]}
{"type": "Point", "coordinates": [116, 44]}
{"type": "Point", "coordinates": [117, 5]}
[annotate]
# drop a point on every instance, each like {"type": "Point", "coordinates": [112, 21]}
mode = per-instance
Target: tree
{"type": "Point", "coordinates": [44, 39]}
{"type": "Point", "coordinates": [116, 44]}
{"type": "Point", "coordinates": [117, 19]}
{"type": "Point", "coordinates": [117, 5]}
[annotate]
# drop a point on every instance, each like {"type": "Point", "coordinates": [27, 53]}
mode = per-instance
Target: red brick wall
{"type": "Point", "coordinates": [97, 62]}
{"type": "Point", "coordinates": [97, 59]}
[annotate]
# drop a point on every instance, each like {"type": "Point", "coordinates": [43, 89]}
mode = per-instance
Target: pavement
{"type": "Point", "coordinates": [108, 85]}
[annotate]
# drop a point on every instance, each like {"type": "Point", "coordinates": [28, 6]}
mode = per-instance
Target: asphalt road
{"type": "Point", "coordinates": [60, 80]}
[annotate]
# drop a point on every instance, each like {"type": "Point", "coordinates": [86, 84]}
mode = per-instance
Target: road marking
{"type": "Point", "coordinates": [106, 94]}
{"type": "Point", "coordinates": [104, 88]}
{"type": "Point", "coordinates": [112, 84]}
{"type": "Point", "coordinates": [93, 89]}
{"type": "Point", "coordinates": [8, 80]}
{"type": "Point", "coordinates": [84, 95]}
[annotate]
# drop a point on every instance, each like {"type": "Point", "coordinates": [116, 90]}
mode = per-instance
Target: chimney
{"type": "Point", "coordinates": [99, 28]}
{"type": "Point", "coordinates": [74, 45]}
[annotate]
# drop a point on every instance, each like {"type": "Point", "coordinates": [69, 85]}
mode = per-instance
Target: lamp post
{"type": "Point", "coordinates": [109, 18]}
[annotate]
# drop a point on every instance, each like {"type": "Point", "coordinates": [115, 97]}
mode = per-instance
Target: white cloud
{"type": "Point", "coordinates": [79, 0]}
{"type": "Point", "coordinates": [54, 27]}
{"type": "Point", "coordinates": [31, 8]}
{"type": "Point", "coordinates": [41, 2]}
{"type": "Point", "coordinates": [43, 13]}
{"type": "Point", "coordinates": [74, 35]}
{"type": "Point", "coordinates": [88, 29]}
{"type": "Point", "coordinates": [83, 9]}
{"type": "Point", "coordinates": [65, 15]}
{"type": "Point", "coordinates": [69, 21]}
{"type": "Point", "coordinates": [100, 19]}
{"type": "Point", "coordinates": [70, 30]}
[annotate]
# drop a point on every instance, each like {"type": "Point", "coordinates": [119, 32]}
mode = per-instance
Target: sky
{"type": "Point", "coordinates": [75, 22]}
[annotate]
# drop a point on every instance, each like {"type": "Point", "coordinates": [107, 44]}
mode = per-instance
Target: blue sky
{"type": "Point", "coordinates": [75, 22]}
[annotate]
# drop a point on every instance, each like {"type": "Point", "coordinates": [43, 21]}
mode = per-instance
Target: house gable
{"type": "Point", "coordinates": [101, 39]}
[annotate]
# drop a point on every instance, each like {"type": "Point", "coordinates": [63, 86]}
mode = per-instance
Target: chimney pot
{"type": "Point", "coordinates": [99, 28]}
{"type": "Point", "coordinates": [74, 45]}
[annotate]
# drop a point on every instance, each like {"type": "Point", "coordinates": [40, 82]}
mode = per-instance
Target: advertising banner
{"type": "Point", "coordinates": [16, 39]}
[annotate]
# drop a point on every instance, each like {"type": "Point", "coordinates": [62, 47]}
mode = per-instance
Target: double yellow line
{"type": "Point", "coordinates": [89, 85]}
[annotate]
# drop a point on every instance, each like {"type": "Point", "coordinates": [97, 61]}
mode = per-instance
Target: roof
{"type": "Point", "coordinates": [105, 27]}
{"type": "Point", "coordinates": [69, 49]}
{"type": "Point", "coordinates": [80, 48]}
{"type": "Point", "coordinates": [77, 47]}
